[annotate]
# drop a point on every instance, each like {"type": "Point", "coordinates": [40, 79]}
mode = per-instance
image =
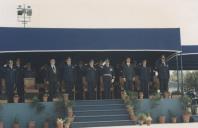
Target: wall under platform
{"type": "Point", "coordinates": [25, 113]}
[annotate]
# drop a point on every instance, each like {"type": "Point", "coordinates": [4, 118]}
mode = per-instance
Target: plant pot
{"type": "Point", "coordinates": [32, 124]}
{"type": "Point", "coordinates": [148, 119]}
{"type": "Point", "coordinates": [45, 98]}
{"type": "Point", "coordinates": [196, 110]}
{"type": "Point", "coordinates": [148, 122]}
{"type": "Point", "coordinates": [66, 97]}
{"type": "Point", "coordinates": [174, 96]}
{"type": "Point", "coordinates": [46, 124]}
{"type": "Point", "coordinates": [174, 119]}
{"type": "Point", "coordinates": [16, 125]}
{"type": "Point", "coordinates": [162, 119]}
{"type": "Point", "coordinates": [141, 122]}
{"type": "Point", "coordinates": [151, 97]}
{"type": "Point", "coordinates": [132, 117]}
{"type": "Point", "coordinates": [59, 123]}
{"type": "Point", "coordinates": [1, 124]}
{"type": "Point", "coordinates": [67, 125]}
{"type": "Point", "coordinates": [166, 95]}
{"type": "Point", "coordinates": [141, 95]}
{"type": "Point", "coordinates": [186, 117]}
{"type": "Point", "coordinates": [16, 99]}
{"type": "Point", "coordinates": [69, 112]}
{"type": "Point", "coordinates": [129, 109]}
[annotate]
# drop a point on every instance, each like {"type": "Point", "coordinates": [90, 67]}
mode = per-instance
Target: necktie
{"type": "Point", "coordinates": [54, 69]}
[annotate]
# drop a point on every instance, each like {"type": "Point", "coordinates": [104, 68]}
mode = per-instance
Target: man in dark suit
{"type": "Point", "coordinates": [145, 78]}
{"type": "Point", "coordinates": [9, 73]}
{"type": "Point", "coordinates": [129, 74]}
{"type": "Point", "coordinates": [69, 77]}
{"type": "Point", "coordinates": [108, 78]}
{"type": "Point", "coordinates": [163, 73]}
{"type": "Point", "coordinates": [52, 78]}
{"type": "Point", "coordinates": [91, 77]}
{"type": "Point", "coordinates": [20, 80]}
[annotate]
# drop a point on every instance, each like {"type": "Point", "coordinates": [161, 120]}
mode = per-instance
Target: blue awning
{"type": "Point", "coordinates": [189, 58]}
{"type": "Point", "coordinates": [59, 39]}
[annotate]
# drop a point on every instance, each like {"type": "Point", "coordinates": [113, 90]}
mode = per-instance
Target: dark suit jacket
{"type": "Point", "coordinates": [51, 76]}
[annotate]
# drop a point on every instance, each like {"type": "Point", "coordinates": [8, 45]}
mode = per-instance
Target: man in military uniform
{"type": "Point", "coordinates": [163, 73]}
{"type": "Point", "coordinates": [91, 77]}
{"type": "Point", "coordinates": [10, 78]}
{"type": "Point", "coordinates": [100, 91]}
{"type": "Point", "coordinates": [20, 80]}
{"type": "Point", "coordinates": [145, 77]}
{"type": "Point", "coordinates": [52, 79]}
{"type": "Point", "coordinates": [80, 73]}
{"type": "Point", "coordinates": [129, 74]}
{"type": "Point", "coordinates": [69, 77]}
{"type": "Point", "coordinates": [108, 78]}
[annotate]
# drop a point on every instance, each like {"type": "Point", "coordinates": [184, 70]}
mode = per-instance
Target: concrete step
{"type": "Point", "coordinates": [100, 112]}
{"type": "Point", "coordinates": [101, 118]}
{"type": "Point", "coordinates": [99, 107]}
{"type": "Point", "coordinates": [102, 123]}
{"type": "Point", "coordinates": [98, 102]}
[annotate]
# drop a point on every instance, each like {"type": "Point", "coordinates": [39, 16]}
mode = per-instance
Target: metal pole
{"type": "Point", "coordinates": [177, 72]}
{"type": "Point", "coordinates": [182, 80]}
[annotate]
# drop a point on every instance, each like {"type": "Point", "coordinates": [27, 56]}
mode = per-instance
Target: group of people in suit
{"type": "Point", "coordinates": [87, 79]}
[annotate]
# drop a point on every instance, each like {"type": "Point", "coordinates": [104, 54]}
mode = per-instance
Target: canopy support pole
{"type": "Point", "coordinates": [182, 80]}
{"type": "Point", "coordinates": [178, 79]}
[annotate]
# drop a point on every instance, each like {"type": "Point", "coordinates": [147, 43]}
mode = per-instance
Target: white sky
{"type": "Point", "coordinates": [108, 14]}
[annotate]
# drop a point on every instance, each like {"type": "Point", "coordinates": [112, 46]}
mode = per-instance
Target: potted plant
{"type": "Point", "coordinates": [173, 116]}
{"type": "Point", "coordinates": [186, 102]}
{"type": "Point", "coordinates": [46, 123]}
{"type": "Point", "coordinates": [59, 123]}
{"type": "Point", "coordinates": [176, 95]}
{"type": "Point", "coordinates": [69, 106]}
{"type": "Point", "coordinates": [141, 118]}
{"type": "Point", "coordinates": [141, 95]}
{"type": "Point", "coordinates": [148, 119]}
{"type": "Point", "coordinates": [1, 123]}
{"type": "Point", "coordinates": [68, 121]}
{"type": "Point", "coordinates": [16, 98]}
{"type": "Point", "coordinates": [162, 119]}
{"type": "Point", "coordinates": [45, 97]}
{"type": "Point", "coordinates": [66, 97]}
{"type": "Point", "coordinates": [128, 106]}
{"type": "Point", "coordinates": [166, 94]}
{"type": "Point", "coordinates": [31, 124]}
{"type": "Point", "coordinates": [16, 123]}
{"type": "Point", "coordinates": [186, 116]}
{"type": "Point", "coordinates": [196, 109]}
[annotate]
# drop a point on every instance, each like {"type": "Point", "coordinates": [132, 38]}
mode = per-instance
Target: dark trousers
{"type": "Point", "coordinates": [163, 85]}
{"type": "Point", "coordinates": [69, 87]}
{"type": "Point", "coordinates": [107, 86]}
{"type": "Point", "coordinates": [145, 88]}
{"type": "Point", "coordinates": [117, 90]}
{"type": "Point", "coordinates": [53, 86]}
{"type": "Point", "coordinates": [20, 90]}
{"type": "Point", "coordinates": [129, 85]}
{"type": "Point", "coordinates": [91, 90]}
{"type": "Point", "coordinates": [10, 91]}
{"type": "Point", "coordinates": [79, 95]}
